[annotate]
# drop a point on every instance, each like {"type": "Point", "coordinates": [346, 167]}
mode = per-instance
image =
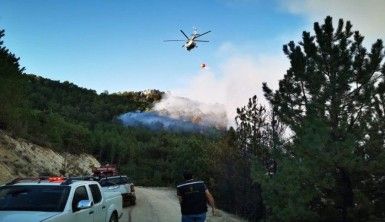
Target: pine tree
{"type": "Point", "coordinates": [11, 87]}
{"type": "Point", "coordinates": [332, 98]}
{"type": "Point", "coordinates": [259, 134]}
{"type": "Point", "coordinates": [258, 137]}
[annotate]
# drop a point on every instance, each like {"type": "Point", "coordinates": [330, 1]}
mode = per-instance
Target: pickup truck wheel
{"type": "Point", "coordinates": [113, 218]}
{"type": "Point", "coordinates": [132, 200]}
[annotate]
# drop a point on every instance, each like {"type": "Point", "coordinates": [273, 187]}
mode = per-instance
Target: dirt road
{"type": "Point", "coordinates": [161, 205]}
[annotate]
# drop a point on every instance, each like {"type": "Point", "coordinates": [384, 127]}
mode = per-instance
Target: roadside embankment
{"type": "Point", "coordinates": [20, 158]}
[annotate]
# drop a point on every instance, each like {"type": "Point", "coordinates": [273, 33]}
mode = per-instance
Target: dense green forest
{"type": "Point", "coordinates": [315, 153]}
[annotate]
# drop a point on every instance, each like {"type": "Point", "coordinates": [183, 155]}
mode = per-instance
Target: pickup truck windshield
{"type": "Point", "coordinates": [33, 198]}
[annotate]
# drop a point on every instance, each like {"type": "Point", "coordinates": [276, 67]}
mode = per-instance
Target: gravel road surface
{"type": "Point", "coordinates": [158, 204]}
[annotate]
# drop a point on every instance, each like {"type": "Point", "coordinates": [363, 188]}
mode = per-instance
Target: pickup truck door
{"type": "Point", "coordinates": [84, 215]}
{"type": "Point", "coordinates": [100, 208]}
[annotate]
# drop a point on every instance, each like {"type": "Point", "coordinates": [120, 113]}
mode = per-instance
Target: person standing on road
{"type": "Point", "coordinates": [193, 198]}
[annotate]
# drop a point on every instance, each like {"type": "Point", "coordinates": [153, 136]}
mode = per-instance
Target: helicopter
{"type": "Point", "coordinates": [190, 42]}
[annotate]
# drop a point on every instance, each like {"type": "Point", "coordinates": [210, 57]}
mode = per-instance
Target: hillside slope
{"type": "Point", "coordinates": [20, 158]}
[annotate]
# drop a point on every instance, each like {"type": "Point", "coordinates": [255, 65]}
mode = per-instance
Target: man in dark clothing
{"type": "Point", "coordinates": [193, 197]}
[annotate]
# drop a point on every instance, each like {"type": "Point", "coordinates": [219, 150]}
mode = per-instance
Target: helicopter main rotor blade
{"type": "Point", "coordinates": [201, 41]}
{"type": "Point", "coordinates": [202, 34]}
{"type": "Point", "coordinates": [184, 34]}
{"type": "Point", "coordinates": [174, 40]}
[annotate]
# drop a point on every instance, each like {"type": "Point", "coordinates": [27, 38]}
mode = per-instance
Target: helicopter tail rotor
{"type": "Point", "coordinates": [195, 31]}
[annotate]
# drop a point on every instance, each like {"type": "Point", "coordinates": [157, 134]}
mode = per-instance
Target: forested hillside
{"type": "Point", "coordinates": [72, 119]}
{"type": "Point", "coordinates": [68, 118]}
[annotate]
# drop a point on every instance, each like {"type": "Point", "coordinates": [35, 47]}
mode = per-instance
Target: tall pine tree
{"type": "Point", "coordinates": [332, 98]}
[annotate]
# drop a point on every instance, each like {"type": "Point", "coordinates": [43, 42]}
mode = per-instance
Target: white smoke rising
{"type": "Point", "coordinates": [238, 79]}
{"type": "Point", "coordinates": [179, 114]}
{"type": "Point", "coordinates": [212, 115]}
{"type": "Point", "coordinates": [210, 98]}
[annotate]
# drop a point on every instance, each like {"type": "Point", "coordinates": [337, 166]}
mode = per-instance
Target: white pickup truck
{"type": "Point", "coordinates": [58, 200]}
{"type": "Point", "coordinates": [121, 184]}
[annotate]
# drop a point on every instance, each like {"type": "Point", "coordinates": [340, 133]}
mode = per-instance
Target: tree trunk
{"type": "Point", "coordinates": [344, 190]}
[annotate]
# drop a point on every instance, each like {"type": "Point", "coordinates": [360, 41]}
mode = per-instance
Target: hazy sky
{"type": "Point", "coordinates": [117, 45]}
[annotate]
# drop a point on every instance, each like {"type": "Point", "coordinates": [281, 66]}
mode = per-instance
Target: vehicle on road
{"type": "Point", "coordinates": [121, 184]}
{"type": "Point", "coordinates": [105, 170]}
{"type": "Point", "coordinates": [58, 199]}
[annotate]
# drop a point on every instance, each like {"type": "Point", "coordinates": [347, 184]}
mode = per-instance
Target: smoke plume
{"type": "Point", "coordinates": [179, 114]}
{"type": "Point", "coordinates": [210, 98]}
{"type": "Point", "coordinates": [237, 80]}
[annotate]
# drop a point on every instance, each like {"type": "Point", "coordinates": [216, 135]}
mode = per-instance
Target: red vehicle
{"type": "Point", "coordinates": [106, 170]}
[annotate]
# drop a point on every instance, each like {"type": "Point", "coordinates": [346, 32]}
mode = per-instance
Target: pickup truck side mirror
{"type": "Point", "coordinates": [84, 204]}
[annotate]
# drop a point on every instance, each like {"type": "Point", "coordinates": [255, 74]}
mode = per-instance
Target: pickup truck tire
{"type": "Point", "coordinates": [132, 200]}
{"type": "Point", "coordinates": [113, 218]}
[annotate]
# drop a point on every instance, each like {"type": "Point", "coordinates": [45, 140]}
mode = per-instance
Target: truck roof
{"type": "Point", "coordinates": [36, 183]}
{"type": "Point", "coordinates": [51, 181]}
